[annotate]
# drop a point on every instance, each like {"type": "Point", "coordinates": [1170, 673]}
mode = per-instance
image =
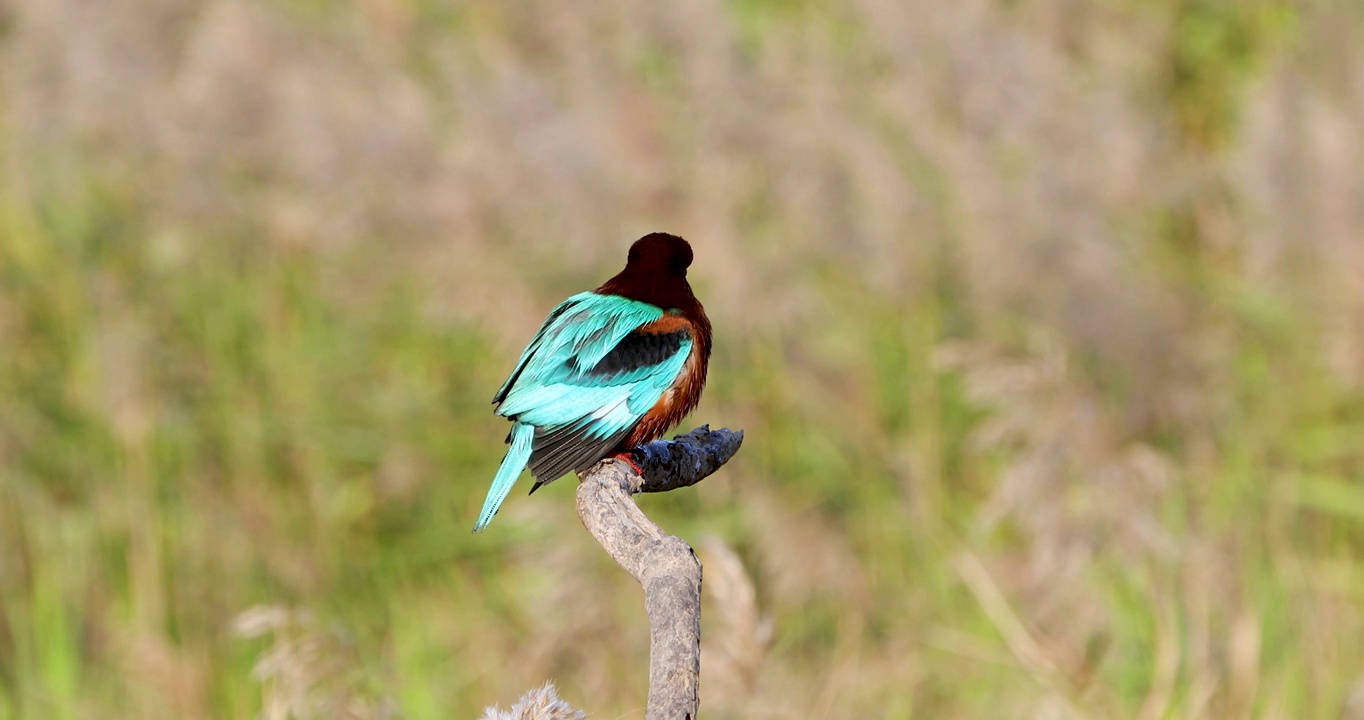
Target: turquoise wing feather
{"type": "Point", "coordinates": [585, 379]}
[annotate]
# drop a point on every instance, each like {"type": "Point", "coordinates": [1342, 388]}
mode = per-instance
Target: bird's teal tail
{"type": "Point", "coordinates": [512, 465]}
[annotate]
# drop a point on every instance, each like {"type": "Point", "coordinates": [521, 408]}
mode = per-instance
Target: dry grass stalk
{"type": "Point", "coordinates": [542, 703]}
{"type": "Point", "coordinates": [734, 656]}
{"type": "Point", "coordinates": [307, 672]}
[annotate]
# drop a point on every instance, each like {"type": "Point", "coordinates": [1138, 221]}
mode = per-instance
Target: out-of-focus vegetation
{"type": "Point", "coordinates": [1045, 320]}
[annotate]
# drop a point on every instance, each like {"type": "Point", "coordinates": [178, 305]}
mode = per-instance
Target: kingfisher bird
{"type": "Point", "coordinates": [609, 370]}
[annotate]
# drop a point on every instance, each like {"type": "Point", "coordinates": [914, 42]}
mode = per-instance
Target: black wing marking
{"type": "Point", "coordinates": [637, 350]}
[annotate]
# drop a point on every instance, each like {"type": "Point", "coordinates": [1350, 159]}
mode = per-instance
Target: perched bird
{"type": "Point", "coordinates": [609, 370]}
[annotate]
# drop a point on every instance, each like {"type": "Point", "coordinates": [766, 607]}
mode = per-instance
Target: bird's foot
{"type": "Point", "coordinates": [629, 458]}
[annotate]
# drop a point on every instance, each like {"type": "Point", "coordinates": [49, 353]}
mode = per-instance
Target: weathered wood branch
{"type": "Point", "coordinates": [663, 564]}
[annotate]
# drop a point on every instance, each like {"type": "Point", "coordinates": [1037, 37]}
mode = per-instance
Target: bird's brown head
{"type": "Point", "coordinates": [656, 272]}
{"type": "Point", "coordinates": [660, 253]}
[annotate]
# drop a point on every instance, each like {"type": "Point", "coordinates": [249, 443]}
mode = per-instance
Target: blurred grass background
{"type": "Point", "coordinates": [1045, 319]}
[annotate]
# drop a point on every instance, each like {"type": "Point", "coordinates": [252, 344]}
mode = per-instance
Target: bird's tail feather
{"type": "Point", "coordinates": [512, 465]}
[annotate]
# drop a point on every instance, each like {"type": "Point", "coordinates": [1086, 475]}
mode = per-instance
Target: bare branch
{"type": "Point", "coordinates": [663, 564]}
